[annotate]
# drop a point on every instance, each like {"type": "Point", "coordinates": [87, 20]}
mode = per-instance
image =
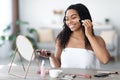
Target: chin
{"type": "Point", "coordinates": [72, 29]}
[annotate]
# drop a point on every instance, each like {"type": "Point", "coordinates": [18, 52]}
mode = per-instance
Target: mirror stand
{"type": "Point", "coordinates": [26, 70]}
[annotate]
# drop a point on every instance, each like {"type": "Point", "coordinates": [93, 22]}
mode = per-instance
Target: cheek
{"type": "Point", "coordinates": [78, 24]}
{"type": "Point", "coordinates": [67, 24]}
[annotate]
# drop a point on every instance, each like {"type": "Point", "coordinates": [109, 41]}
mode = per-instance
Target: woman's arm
{"type": "Point", "coordinates": [55, 58]}
{"type": "Point", "coordinates": [97, 43]}
{"type": "Point", "coordinates": [99, 47]}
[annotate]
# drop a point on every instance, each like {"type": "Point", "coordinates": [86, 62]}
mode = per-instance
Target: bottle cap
{"type": "Point", "coordinates": [43, 63]}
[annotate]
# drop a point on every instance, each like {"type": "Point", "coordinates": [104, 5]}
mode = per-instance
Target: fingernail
{"type": "Point", "coordinates": [82, 20]}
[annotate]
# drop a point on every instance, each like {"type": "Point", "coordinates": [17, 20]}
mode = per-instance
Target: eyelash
{"type": "Point", "coordinates": [71, 18]}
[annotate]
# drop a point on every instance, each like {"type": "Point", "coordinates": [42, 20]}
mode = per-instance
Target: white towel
{"type": "Point", "coordinates": [78, 58]}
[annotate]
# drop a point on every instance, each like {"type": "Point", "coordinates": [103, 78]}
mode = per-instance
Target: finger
{"type": "Point", "coordinates": [90, 22]}
{"type": "Point", "coordinates": [38, 51]}
{"type": "Point", "coordinates": [84, 23]}
{"type": "Point", "coordinates": [42, 52]}
{"type": "Point", "coordinates": [87, 23]}
{"type": "Point", "coordinates": [46, 53]}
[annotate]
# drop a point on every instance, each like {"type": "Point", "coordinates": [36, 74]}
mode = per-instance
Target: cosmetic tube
{"type": "Point", "coordinates": [42, 68]}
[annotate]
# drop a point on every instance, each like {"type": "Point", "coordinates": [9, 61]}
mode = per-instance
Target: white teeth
{"type": "Point", "coordinates": [71, 26]}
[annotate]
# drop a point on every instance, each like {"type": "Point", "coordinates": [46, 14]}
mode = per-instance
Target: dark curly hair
{"type": "Point", "coordinates": [64, 35]}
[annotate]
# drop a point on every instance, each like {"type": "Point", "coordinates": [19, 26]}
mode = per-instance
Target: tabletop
{"type": "Point", "coordinates": [32, 74]}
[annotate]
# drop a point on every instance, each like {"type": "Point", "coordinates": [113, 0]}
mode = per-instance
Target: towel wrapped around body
{"type": "Point", "coordinates": [79, 58]}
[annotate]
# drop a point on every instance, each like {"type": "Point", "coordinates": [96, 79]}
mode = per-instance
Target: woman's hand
{"type": "Point", "coordinates": [44, 53]}
{"type": "Point", "coordinates": [88, 26]}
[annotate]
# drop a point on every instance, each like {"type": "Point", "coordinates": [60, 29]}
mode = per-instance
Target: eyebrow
{"type": "Point", "coordinates": [72, 15]}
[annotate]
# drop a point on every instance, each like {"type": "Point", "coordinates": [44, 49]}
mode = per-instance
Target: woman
{"type": "Point", "coordinates": [76, 45]}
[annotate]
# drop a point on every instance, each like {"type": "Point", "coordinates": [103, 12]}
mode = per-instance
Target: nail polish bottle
{"type": "Point", "coordinates": [42, 69]}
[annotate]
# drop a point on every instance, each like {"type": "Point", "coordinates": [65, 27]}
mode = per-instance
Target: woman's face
{"type": "Point", "coordinates": [72, 20]}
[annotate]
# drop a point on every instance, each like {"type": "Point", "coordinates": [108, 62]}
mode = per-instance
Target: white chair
{"type": "Point", "coordinates": [111, 40]}
{"type": "Point", "coordinates": [25, 50]}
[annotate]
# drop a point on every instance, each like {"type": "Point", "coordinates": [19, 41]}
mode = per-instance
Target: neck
{"type": "Point", "coordinates": [78, 34]}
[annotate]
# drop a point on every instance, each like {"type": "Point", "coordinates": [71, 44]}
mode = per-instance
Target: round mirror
{"type": "Point", "coordinates": [25, 47]}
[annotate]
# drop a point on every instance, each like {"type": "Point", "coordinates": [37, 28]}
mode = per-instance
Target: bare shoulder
{"type": "Point", "coordinates": [100, 40]}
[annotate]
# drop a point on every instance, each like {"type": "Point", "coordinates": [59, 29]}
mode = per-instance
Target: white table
{"type": "Point", "coordinates": [32, 75]}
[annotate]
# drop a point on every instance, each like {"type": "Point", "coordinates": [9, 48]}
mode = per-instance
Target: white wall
{"type": "Point", "coordinates": [39, 12]}
{"type": "Point", "coordinates": [5, 14]}
{"type": "Point", "coordinates": [5, 20]}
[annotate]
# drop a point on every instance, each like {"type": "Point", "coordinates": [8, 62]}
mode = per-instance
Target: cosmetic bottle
{"type": "Point", "coordinates": [42, 69]}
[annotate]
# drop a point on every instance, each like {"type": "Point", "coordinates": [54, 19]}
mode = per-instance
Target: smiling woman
{"type": "Point", "coordinates": [78, 42]}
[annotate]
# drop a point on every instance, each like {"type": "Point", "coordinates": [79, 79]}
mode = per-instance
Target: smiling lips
{"type": "Point", "coordinates": [71, 26]}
